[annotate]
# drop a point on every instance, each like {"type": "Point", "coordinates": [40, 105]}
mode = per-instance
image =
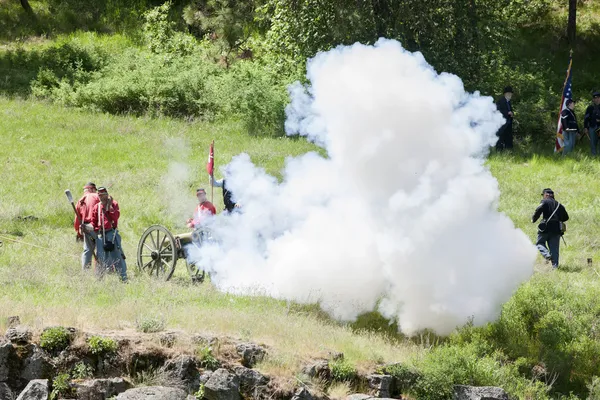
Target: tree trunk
{"type": "Point", "coordinates": [571, 26]}
{"type": "Point", "coordinates": [27, 7]}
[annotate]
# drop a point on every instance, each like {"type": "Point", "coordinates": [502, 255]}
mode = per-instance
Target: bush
{"type": "Point", "coordinates": [451, 364]}
{"type": "Point", "coordinates": [342, 370]}
{"type": "Point", "coordinates": [100, 345]}
{"type": "Point", "coordinates": [55, 339]}
{"type": "Point", "coordinates": [249, 91]}
{"type": "Point", "coordinates": [82, 370]}
{"type": "Point", "coordinates": [552, 320]}
{"type": "Point", "coordinates": [207, 359]}
{"type": "Point", "coordinates": [61, 387]}
{"type": "Point", "coordinates": [150, 324]}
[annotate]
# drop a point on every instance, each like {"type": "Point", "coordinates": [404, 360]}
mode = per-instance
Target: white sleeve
{"type": "Point", "coordinates": [218, 183]}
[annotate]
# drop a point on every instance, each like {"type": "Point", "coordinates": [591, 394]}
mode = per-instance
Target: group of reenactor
{"type": "Point", "coordinates": [568, 120]}
{"type": "Point", "coordinates": [97, 219]}
{"type": "Point", "coordinates": [96, 223]}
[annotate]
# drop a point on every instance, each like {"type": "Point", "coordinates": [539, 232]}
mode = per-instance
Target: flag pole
{"type": "Point", "coordinates": [212, 188]}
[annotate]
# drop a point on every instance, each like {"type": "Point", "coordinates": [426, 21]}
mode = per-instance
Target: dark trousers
{"type": "Point", "coordinates": [550, 252]}
{"type": "Point", "coordinates": [505, 138]}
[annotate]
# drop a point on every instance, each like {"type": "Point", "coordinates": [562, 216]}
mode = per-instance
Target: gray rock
{"type": "Point", "coordinates": [359, 396]}
{"type": "Point", "coordinates": [13, 321]}
{"type": "Point", "coordinates": [205, 340]}
{"type": "Point", "coordinates": [6, 352]}
{"type": "Point", "coordinates": [153, 393]}
{"type": "Point", "coordinates": [100, 389]}
{"type": "Point", "coordinates": [168, 339]}
{"type": "Point", "coordinates": [184, 369]}
{"type": "Point", "coordinates": [463, 392]}
{"type": "Point", "coordinates": [19, 334]}
{"type": "Point", "coordinates": [318, 369]}
{"type": "Point", "coordinates": [251, 381]}
{"type": "Point", "coordinates": [382, 384]}
{"type": "Point", "coordinates": [36, 389]}
{"type": "Point", "coordinates": [336, 356]}
{"type": "Point", "coordinates": [5, 392]}
{"type": "Point", "coordinates": [37, 365]}
{"type": "Point", "coordinates": [303, 394]}
{"type": "Point", "coordinates": [222, 385]}
{"type": "Point", "coordinates": [205, 376]}
{"type": "Point", "coordinates": [251, 353]}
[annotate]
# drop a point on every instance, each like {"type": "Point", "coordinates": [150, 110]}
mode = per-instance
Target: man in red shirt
{"type": "Point", "coordinates": [83, 223]}
{"type": "Point", "coordinates": [204, 209]}
{"type": "Point", "coordinates": [105, 219]}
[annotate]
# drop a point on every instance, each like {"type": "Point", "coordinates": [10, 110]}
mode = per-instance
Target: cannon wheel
{"type": "Point", "coordinates": [157, 252]}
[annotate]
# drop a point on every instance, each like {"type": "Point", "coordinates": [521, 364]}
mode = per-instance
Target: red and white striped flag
{"type": "Point", "coordinates": [210, 165]}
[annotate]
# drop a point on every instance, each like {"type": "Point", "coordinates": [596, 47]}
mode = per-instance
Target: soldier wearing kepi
{"type": "Point", "coordinates": [105, 219]}
{"type": "Point", "coordinates": [591, 121]}
{"type": "Point", "coordinates": [552, 226]}
{"type": "Point", "coordinates": [83, 223]}
{"type": "Point", "coordinates": [570, 128]}
{"type": "Point", "coordinates": [505, 133]}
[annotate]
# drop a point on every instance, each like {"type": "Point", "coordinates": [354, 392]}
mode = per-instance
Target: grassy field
{"type": "Point", "coordinates": [47, 149]}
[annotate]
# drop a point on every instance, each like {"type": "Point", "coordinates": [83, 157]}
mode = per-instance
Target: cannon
{"type": "Point", "coordinates": [158, 251]}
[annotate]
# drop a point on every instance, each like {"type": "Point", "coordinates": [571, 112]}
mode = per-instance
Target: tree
{"type": "Point", "coordinates": [572, 22]}
{"type": "Point", "coordinates": [27, 7]}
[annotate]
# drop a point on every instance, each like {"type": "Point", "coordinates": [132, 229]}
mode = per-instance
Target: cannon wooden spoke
{"type": "Point", "coordinates": [157, 252]}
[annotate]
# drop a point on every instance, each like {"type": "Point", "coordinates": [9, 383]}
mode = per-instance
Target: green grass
{"type": "Point", "coordinates": [574, 180]}
{"type": "Point", "coordinates": [47, 149]}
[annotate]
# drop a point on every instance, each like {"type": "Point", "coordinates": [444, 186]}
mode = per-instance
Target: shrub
{"type": "Point", "coordinates": [552, 320]}
{"type": "Point", "coordinates": [405, 376]}
{"type": "Point", "coordinates": [55, 339]}
{"type": "Point", "coordinates": [207, 359]}
{"type": "Point", "coordinates": [61, 387]}
{"type": "Point", "coordinates": [100, 345]}
{"type": "Point", "coordinates": [450, 364]}
{"type": "Point", "coordinates": [150, 324]}
{"type": "Point", "coordinates": [342, 370]}
{"type": "Point", "coordinates": [82, 370]}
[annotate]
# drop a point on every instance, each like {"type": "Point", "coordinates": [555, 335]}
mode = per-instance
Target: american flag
{"type": "Point", "coordinates": [567, 94]}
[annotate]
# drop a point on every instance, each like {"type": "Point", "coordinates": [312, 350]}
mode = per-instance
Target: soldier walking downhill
{"type": "Point", "coordinates": [552, 226]}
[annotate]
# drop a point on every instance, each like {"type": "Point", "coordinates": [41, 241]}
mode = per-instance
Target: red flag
{"type": "Point", "coordinates": [210, 165]}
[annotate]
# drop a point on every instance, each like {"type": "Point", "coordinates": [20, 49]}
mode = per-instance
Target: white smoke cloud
{"type": "Point", "coordinates": [401, 217]}
{"type": "Point", "coordinates": [174, 187]}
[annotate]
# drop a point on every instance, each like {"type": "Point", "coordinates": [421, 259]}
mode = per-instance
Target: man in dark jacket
{"type": "Point", "coordinates": [505, 133]}
{"type": "Point", "coordinates": [591, 121]}
{"type": "Point", "coordinates": [569, 126]}
{"type": "Point", "coordinates": [551, 228]}
{"type": "Point", "coordinates": [228, 198]}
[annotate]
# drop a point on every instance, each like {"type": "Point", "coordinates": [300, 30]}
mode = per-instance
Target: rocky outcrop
{"type": "Point", "coordinates": [251, 354]}
{"type": "Point", "coordinates": [154, 393]}
{"type": "Point", "coordinates": [19, 334]}
{"type": "Point", "coordinates": [381, 385]}
{"type": "Point", "coordinates": [37, 389]}
{"type": "Point", "coordinates": [101, 389]}
{"type": "Point", "coordinates": [222, 385]}
{"type": "Point", "coordinates": [463, 392]}
{"type": "Point", "coordinates": [5, 392]}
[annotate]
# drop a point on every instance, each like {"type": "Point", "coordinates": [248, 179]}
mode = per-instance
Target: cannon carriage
{"type": "Point", "coordinates": [158, 251]}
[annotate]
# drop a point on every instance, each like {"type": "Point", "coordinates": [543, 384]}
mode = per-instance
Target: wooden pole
{"type": "Point", "coordinates": [212, 178]}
